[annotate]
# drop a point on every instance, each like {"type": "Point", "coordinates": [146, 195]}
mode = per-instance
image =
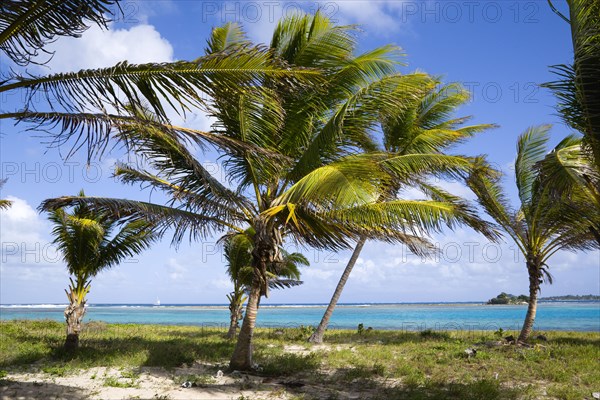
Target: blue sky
{"type": "Point", "coordinates": [499, 50]}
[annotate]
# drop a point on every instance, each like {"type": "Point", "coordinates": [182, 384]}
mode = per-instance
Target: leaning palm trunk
{"type": "Point", "coordinates": [235, 313]}
{"type": "Point", "coordinates": [74, 316]}
{"type": "Point", "coordinates": [317, 336]}
{"type": "Point", "coordinates": [534, 287]}
{"type": "Point", "coordinates": [267, 241]}
{"type": "Point", "coordinates": [242, 355]}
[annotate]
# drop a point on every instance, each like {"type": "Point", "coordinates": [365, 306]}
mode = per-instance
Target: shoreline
{"type": "Point", "coordinates": [581, 316]}
{"type": "Point", "coordinates": [284, 305]}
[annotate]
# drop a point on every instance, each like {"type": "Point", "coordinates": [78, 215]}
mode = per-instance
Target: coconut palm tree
{"type": "Point", "coordinates": [238, 256]}
{"type": "Point", "coordinates": [87, 107]}
{"type": "Point", "coordinates": [425, 126]}
{"type": "Point", "coordinates": [91, 242]}
{"type": "Point", "coordinates": [541, 226]}
{"type": "Point", "coordinates": [577, 90]}
{"type": "Point", "coordinates": [573, 180]}
{"type": "Point", "coordinates": [4, 204]}
{"type": "Point", "coordinates": [294, 156]}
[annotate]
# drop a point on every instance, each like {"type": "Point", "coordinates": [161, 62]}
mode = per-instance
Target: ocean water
{"type": "Point", "coordinates": [569, 316]}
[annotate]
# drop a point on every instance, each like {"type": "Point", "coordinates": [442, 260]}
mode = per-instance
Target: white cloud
{"type": "Point", "coordinates": [468, 268]}
{"type": "Point", "coordinates": [175, 270]}
{"type": "Point", "coordinates": [381, 17]}
{"type": "Point", "coordinates": [26, 252]}
{"type": "Point", "coordinates": [98, 48]}
{"type": "Point", "coordinates": [21, 222]}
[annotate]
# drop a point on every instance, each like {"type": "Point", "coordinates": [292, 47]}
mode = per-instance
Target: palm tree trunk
{"type": "Point", "coordinates": [534, 287]}
{"type": "Point", "coordinates": [233, 324]}
{"type": "Point", "coordinates": [74, 315]}
{"type": "Point", "coordinates": [317, 336]}
{"type": "Point", "coordinates": [241, 359]}
{"type": "Point", "coordinates": [235, 313]}
{"type": "Point", "coordinates": [267, 240]}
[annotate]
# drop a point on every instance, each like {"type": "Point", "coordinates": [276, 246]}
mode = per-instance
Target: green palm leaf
{"type": "Point", "coordinates": [4, 204]}
{"type": "Point", "coordinates": [161, 217]}
{"type": "Point", "coordinates": [531, 149]}
{"type": "Point", "coordinates": [577, 88]}
{"type": "Point", "coordinates": [26, 26]}
{"type": "Point", "coordinates": [84, 237]}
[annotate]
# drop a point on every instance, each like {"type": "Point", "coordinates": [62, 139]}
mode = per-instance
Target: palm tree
{"type": "Point", "coordinates": [87, 107]}
{"type": "Point", "coordinates": [574, 181]}
{"type": "Point", "coordinates": [90, 243]}
{"type": "Point", "coordinates": [294, 155]}
{"type": "Point", "coordinates": [423, 127]}
{"type": "Point", "coordinates": [541, 226]}
{"type": "Point", "coordinates": [4, 204]}
{"type": "Point", "coordinates": [577, 90]}
{"type": "Point", "coordinates": [238, 256]}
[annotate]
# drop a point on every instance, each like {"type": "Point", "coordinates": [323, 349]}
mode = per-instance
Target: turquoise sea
{"type": "Point", "coordinates": [571, 316]}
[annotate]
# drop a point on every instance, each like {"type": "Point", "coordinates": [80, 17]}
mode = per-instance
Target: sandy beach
{"type": "Point", "coordinates": [160, 383]}
{"type": "Point", "coordinates": [152, 383]}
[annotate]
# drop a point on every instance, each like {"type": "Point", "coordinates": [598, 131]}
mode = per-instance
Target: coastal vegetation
{"type": "Point", "coordinates": [541, 225]}
{"type": "Point", "coordinates": [238, 258]}
{"type": "Point", "coordinates": [87, 109]}
{"type": "Point", "coordinates": [571, 297]}
{"type": "Point", "coordinates": [298, 159]}
{"type": "Point", "coordinates": [90, 242]}
{"type": "Point", "coordinates": [505, 298]}
{"type": "Point", "coordinates": [425, 125]}
{"type": "Point", "coordinates": [320, 144]}
{"type": "Point", "coordinates": [374, 364]}
{"type": "Point", "coordinates": [577, 88]}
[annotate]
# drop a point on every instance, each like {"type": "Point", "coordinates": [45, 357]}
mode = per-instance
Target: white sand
{"type": "Point", "coordinates": [152, 383]}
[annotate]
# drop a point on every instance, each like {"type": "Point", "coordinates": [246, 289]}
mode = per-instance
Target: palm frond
{"type": "Point", "coordinates": [84, 238]}
{"type": "Point", "coordinates": [353, 180]}
{"type": "Point", "coordinates": [237, 250]}
{"type": "Point", "coordinates": [415, 216]}
{"type": "Point", "coordinates": [531, 149]}
{"type": "Point", "coordinates": [132, 238]}
{"type": "Point", "coordinates": [485, 183]}
{"type": "Point", "coordinates": [312, 40]}
{"type": "Point", "coordinates": [576, 88]}
{"type": "Point", "coordinates": [4, 204]}
{"type": "Point", "coordinates": [467, 214]}
{"type": "Point", "coordinates": [162, 218]}
{"type": "Point", "coordinates": [321, 231]}
{"type": "Point", "coordinates": [356, 114]}
{"type": "Point", "coordinates": [27, 26]}
{"type": "Point", "coordinates": [284, 283]}
{"type": "Point", "coordinates": [407, 167]}
{"type": "Point", "coordinates": [227, 37]}
{"type": "Point", "coordinates": [179, 84]}
{"type": "Point", "coordinates": [570, 167]}
{"type": "Point", "coordinates": [425, 123]}
{"type": "Point", "coordinates": [199, 199]}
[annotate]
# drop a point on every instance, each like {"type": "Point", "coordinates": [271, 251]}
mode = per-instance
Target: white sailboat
{"type": "Point", "coordinates": [157, 302]}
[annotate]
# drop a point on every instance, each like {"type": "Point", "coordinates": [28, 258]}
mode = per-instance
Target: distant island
{"type": "Point", "coordinates": [570, 297]}
{"type": "Point", "coordinates": [506, 298]}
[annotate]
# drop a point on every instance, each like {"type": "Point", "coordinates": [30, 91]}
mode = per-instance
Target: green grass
{"type": "Point", "coordinates": [380, 364]}
{"type": "Point", "coordinates": [120, 383]}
